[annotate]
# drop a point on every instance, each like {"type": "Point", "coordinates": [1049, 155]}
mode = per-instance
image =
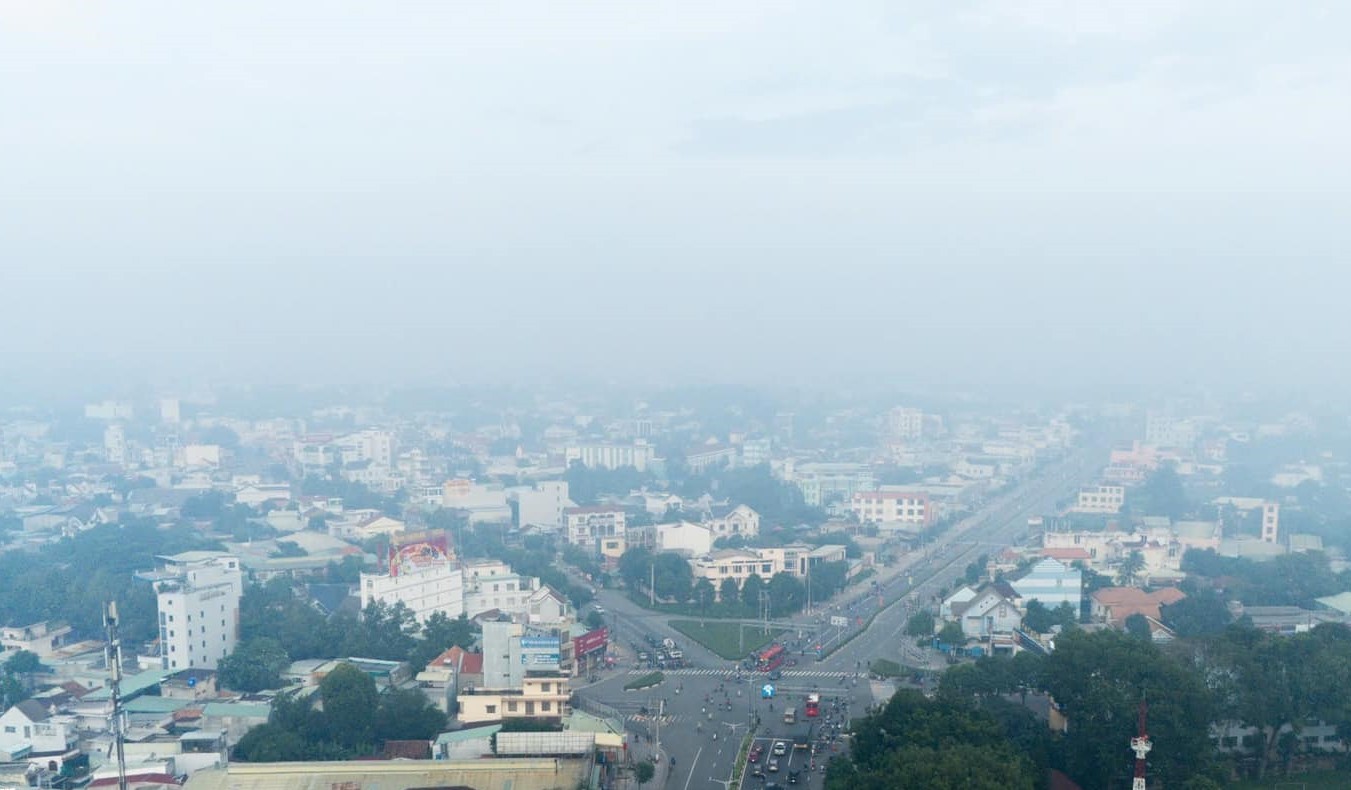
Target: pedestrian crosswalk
{"type": "Point", "coordinates": [787, 673]}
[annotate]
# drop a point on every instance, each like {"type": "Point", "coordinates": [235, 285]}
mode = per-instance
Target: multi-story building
{"type": "Point", "coordinates": [371, 444]}
{"type": "Point", "coordinates": [522, 676]}
{"type": "Point", "coordinates": [115, 444]}
{"type": "Point", "coordinates": [701, 458]}
{"type": "Point", "coordinates": [892, 509]}
{"type": "Point", "coordinates": [611, 456]}
{"type": "Point", "coordinates": [1100, 499]}
{"type": "Point", "coordinates": [905, 423]}
{"type": "Point", "coordinates": [726, 521]}
{"type": "Point", "coordinates": [824, 483]}
{"type": "Point", "coordinates": [422, 576]}
{"type": "Point", "coordinates": [587, 526]}
{"type": "Point", "coordinates": [1162, 430]}
{"type": "Point", "coordinates": [541, 505]}
{"type": "Point", "coordinates": [756, 451]}
{"type": "Point", "coordinates": [735, 564]}
{"type": "Point", "coordinates": [198, 595]}
{"type": "Point", "coordinates": [738, 564]}
{"type": "Point", "coordinates": [493, 585]}
{"type": "Point", "coordinates": [1052, 582]}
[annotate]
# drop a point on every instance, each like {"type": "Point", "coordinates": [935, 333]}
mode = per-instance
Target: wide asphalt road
{"type": "Point", "coordinates": [694, 703]}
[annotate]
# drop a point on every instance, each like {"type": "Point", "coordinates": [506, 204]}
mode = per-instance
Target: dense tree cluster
{"type": "Point", "coordinates": [72, 579]}
{"type": "Point", "coordinates": [355, 720]}
{"type": "Point", "coordinates": [938, 744]}
{"type": "Point", "coordinates": [277, 627]}
{"type": "Point", "coordinates": [1238, 676]}
{"type": "Point", "coordinates": [670, 576]}
{"type": "Point", "coordinates": [1285, 580]}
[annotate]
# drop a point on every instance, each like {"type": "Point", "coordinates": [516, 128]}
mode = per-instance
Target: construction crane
{"type": "Point", "coordinates": [1141, 745]}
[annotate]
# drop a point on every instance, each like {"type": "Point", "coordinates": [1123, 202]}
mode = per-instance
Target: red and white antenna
{"type": "Point", "coordinates": [1141, 745]}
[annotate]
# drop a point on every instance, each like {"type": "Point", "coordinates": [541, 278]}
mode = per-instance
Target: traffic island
{"type": "Point", "coordinates": [725, 638]}
{"type": "Point", "coordinates": [645, 681]}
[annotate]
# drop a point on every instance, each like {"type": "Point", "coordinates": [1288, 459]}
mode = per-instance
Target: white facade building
{"type": "Point", "coordinates": [543, 504]}
{"type": "Point", "coordinates": [1101, 499]}
{"type": "Point", "coordinates": [611, 456]}
{"type": "Point", "coordinates": [905, 423]}
{"type": "Point", "coordinates": [198, 595]}
{"type": "Point", "coordinates": [425, 588]}
{"type": "Point", "coordinates": [587, 526]}
{"type": "Point", "coordinates": [892, 508]}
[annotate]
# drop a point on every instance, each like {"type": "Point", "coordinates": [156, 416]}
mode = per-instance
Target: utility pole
{"type": "Point", "coordinates": [1141, 745]}
{"type": "Point", "coordinates": [764, 608]}
{"type": "Point", "coordinates": [112, 655]}
{"type": "Point", "coordinates": [809, 586]}
{"type": "Point", "coordinates": [652, 585]}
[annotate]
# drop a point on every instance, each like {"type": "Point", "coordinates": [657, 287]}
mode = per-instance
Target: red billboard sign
{"type": "Point", "coordinates": [590, 642]}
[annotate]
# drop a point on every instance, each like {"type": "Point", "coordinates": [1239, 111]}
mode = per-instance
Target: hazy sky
{"type": "Point", "coordinates": [968, 194]}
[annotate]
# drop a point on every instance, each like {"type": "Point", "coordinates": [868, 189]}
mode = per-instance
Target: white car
{"type": "Point", "coordinates": [780, 748]}
{"type": "Point", "coordinates": [773, 765]}
{"type": "Point", "coordinates": [600, 610]}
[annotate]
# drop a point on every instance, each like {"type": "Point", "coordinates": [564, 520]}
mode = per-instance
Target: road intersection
{"type": "Point", "coordinates": [712, 696]}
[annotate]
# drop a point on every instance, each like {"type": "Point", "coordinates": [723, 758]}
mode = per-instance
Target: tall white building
{"type": "Point", "coordinates": [370, 444]}
{"type": "Point", "coordinates": [115, 444]}
{"type": "Point", "coordinates": [422, 577]}
{"type": "Point", "coordinates": [611, 456]}
{"type": "Point", "coordinates": [198, 595]}
{"type": "Point", "coordinates": [542, 505]}
{"type": "Point", "coordinates": [169, 411]}
{"type": "Point", "coordinates": [905, 423]}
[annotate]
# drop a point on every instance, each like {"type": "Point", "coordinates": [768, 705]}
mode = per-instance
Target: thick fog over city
{"type": "Point", "coordinates": [542, 395]}
{"type": "Point", "coordinates": [1102, 196]}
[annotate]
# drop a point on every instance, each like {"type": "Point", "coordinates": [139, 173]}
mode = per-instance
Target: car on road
{"type": "Point", "coordinates": [754, 756]}
{"type": "Point", "coordinates": [599, 610]}
{"type": "Point", "coordinates": [780, 748]}
{"type": "Point", "coordinates": [773, 765]}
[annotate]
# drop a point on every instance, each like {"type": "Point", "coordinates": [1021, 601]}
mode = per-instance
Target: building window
{"type": "Point", "coordinates": [545, 706]}
{"type": "Point", "coordinates": [511, 706]}
{"type": "Point", "coordinates": [544, 687]}
{"type": "Point", "coordinates": [489, 708]}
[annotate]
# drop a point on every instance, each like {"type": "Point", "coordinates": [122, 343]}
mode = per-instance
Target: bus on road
{"type": "Point", "coordinates": [813, 705]}
{"type": "Point", "coordinates": [770, 659]}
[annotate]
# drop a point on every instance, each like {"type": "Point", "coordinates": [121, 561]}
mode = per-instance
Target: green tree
{"type": "Point", "coordinates": [1201, 613]}
{"type": "Point", "coordinates": [440, 633]}
{"type": "Point", "coordinates": [943, 743]}
{"type": "Point", "coordinates": [673, 578]}
{"type": "Point", "coordinates": [1137, 625]}
{"type": "Point", "coordinates": [920, 624]}
{"type": "Point", "coordinates": [1037, 617]}
{"type": "Point", "coordinates": [729, 592]}
{"type": "Point", "coordinates": [1100, 679]}
{"type": "Point", "coordinates": [643, 771]}
{"type": "Point", "coordinates": [635, 565]}
{"type": "Point", "coordinates": [349, 699]}
{"type": "Point", "coordinates": [704, 593]}
{"type": "Point", "coordinates": [271, 743]}
{"type": "Point", "coordinates": [254, 665]}
{"type": "Point", "coordinates": [1160, 495]}
{"type": "Point", "coordinates": [786, 594]}
{"type": "Point", "coordinates": [1130, 568]}
{"type": "Point", "coordinates": [750, 591]}
{"type": "Point", "coordinates": [407, 715]}
{"type": "Point", "coordinates": [23, 662]}
{"type": "Point", "coordinates": [828, 578]}
{"type": "Point", "coordinates": [951, 634]}
{"type": "Point", "coordinates": [594, 620]}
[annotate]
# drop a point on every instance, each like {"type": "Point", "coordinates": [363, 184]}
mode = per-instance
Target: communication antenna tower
{"type": "Point", "coordinates": [113, 657]}
{"type": "Point", "coordinates": [1141, 745]}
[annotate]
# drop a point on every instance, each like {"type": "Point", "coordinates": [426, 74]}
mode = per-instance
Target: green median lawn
{"type": "Point", "coordinates": [725, 638]}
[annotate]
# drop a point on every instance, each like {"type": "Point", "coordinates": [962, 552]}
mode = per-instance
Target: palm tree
{"type": "Point", "coordinates": [1130, 567]}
